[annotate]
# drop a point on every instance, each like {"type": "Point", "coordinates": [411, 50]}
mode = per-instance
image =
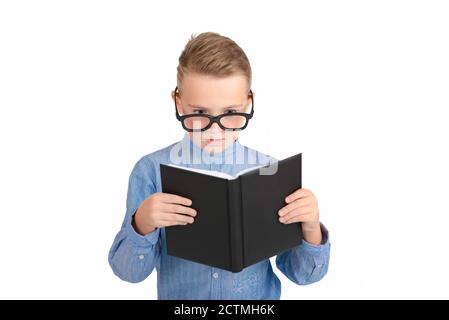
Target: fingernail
{"type": "Point", "coordinates": [280, 212]}
{"type": "Point", "coordinates": [287, 199]}
{"type": "Point", "coordinates": [281, 219]}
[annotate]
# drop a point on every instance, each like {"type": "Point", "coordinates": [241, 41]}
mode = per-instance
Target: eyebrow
{"type": "Point", "coordinates": [203, 108]}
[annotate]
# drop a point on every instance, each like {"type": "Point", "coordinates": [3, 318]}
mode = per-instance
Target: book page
{"type": "Point", "coordinates": [204, 171]}
{"type": "Point", "coordinates": [218, 173]}
{"type": "Point", "coordinates": [250, 169]}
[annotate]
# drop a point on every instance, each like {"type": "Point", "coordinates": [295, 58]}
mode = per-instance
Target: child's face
{"type": "Point", "coordinates": [213, 96]}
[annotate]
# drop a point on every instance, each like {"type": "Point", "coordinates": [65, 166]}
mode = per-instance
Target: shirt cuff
{"type": "Point", "coordinates": [315, 249]}
{"type": "Point", "coordinates": [149, 239]}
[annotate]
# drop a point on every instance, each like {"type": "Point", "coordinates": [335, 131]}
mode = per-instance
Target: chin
{"type": "Point", "coordinates": [215, 148]}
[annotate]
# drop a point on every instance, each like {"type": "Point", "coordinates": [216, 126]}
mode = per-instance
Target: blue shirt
{"type": "Point", "coordinates": [133, 257]}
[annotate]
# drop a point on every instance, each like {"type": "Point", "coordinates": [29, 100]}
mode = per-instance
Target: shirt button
{"type": "Point", "coordinates": [141, 257]}
{"type": "Point", "coordinates": [215, 275]}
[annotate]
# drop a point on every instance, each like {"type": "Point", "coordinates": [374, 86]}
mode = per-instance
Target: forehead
{"type": "Point", "coordinates": [210, 90]}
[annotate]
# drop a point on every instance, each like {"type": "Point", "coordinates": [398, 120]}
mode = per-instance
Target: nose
{"type": "Point", "coordinates": [215, 127]}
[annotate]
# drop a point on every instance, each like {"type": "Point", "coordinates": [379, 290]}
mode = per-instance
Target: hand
{"type": "Point", "coordinates": [302, 206]}
{"type": "Point", "coordinates": [163, 210]}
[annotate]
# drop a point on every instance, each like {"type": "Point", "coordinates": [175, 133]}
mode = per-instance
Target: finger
{"type": "Point", "coordinates": [173, 198]}
{"type": "Point", "coordinates": [296, 195]}
{"type": "Point", "coordinates": [296, 204]}
{"type": "Point", "coordinates": [172, 223]}
{"type": "Point", "coordinates": [300, 218]}
{"type": "Point", "coordinates": [177, 208]}
{"type": "Point", "coordinates": [174, 217]}
{"type": "Point", "coordinates": [296, 212]}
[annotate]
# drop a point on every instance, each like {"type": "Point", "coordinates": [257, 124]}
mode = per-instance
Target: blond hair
{"type": "Point", "coordinates": [210, 53]}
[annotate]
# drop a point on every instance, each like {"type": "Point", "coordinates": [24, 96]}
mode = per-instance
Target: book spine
{"type": "Point", "coordinates": [235, 224]}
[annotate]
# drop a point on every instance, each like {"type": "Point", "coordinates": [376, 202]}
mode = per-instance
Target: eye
{"type": "Point", "coordinates": [199, 111]}
{"type": "Point", "coordinates": [230, 111]}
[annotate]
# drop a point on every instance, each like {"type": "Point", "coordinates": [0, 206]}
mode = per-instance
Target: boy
{"type": "Point", "coordinates": [213, 102]}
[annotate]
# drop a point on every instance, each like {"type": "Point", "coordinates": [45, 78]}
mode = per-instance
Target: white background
{"type": "Point", "coordinates": [359, 87]}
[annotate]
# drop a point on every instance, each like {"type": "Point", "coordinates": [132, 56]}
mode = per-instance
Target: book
{"type": "Point", "coordinates": [237, 222]}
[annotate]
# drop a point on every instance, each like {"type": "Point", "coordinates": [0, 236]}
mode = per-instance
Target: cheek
{"type": "Point", "coordinates": [231, 136]}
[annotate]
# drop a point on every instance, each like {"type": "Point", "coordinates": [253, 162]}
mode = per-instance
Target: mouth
{"type": "Point", "coordinates": [214, 140]}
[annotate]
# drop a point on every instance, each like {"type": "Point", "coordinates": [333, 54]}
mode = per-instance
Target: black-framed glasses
{"type": "Point", "coordinates": [227, 121]}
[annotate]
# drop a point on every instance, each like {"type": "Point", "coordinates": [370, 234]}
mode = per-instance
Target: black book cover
{"type": "Point", "coordinates": [237, 222]}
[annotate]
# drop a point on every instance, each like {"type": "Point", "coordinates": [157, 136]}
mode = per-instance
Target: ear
{"type": "Point", "coordinates": [249, 96]}
{"type": "Point", "coordinates": [177, 101]}
{"type": "Point", "coordinates": [248, 101]}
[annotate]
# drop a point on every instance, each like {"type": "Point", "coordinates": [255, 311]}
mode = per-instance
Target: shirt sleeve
{"type": "Point", "coordinates": [306, 263]}
{"type": "Point", "coordinates": [132, 256]}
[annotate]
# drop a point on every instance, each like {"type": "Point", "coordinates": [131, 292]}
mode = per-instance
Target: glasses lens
{"type": "Point", "coordinates": [196, 123]}
{"type": "Point", "coordinates": [233, 122]}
